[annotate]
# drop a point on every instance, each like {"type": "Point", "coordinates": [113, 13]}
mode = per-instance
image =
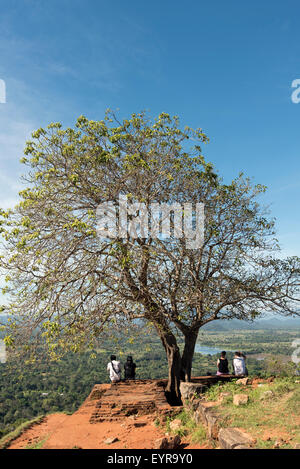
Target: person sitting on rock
{"type": "Point", "coordinates": [222, 364]}
{"type": "Point", "coordinates": [129, 368]}
{"type": "Point", "coordinates": [238, 363]}
{"type": "Point", "coordinates": [244, 357]}
{"type": "Point", "coordinates": [114, 368]}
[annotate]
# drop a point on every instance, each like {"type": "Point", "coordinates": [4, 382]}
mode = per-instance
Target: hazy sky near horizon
{"type": "Point", "coordinates": [227, 67]}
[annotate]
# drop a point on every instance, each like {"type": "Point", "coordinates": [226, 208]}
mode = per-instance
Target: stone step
{"type": "Point", "coordinates": [140, 397]}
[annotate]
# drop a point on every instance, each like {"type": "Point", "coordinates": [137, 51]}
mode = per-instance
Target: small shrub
{"type": "Point", "coordinates": [7, 439]}
{"type": "Point", "coordinates": [213, 393]}
{"type": "Point", "coordinates": [40, 444]}
{"type": "Point", "coordinates": [189, 429]}
{"type": "Point", "coordinates": [168, 421]}
{"type": "Point", "coordinates": [199, 435]}
{"type": "Point", "coordinates": [283, 386]}
{"type": "Point", "coordinates": [293, 403]}
{"type": "Point", "coordinates": [263, 444]}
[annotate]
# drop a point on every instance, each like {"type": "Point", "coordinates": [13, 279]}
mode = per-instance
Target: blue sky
{"type": "Point", "coordinates": [224, 66]}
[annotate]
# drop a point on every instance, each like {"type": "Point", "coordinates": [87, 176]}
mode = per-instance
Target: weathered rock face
{"type": "Point", "coordinates": [234, 438]}
{"type": "Point", "coordinates": [194, 404]}
{"type": "Point", "coordinates": [168, 443]}
{"type": "Point", "coordinates": [240, 399]}
{"type": "Point", "coordinates": [175, 425]}
{"type": "Point", "coordinates": [206, 415]}
{"type": "Point", "coordinates": [190, 390]}
{"type": "Point", "coordinates": [198, 417]}
{"type": "Point", "coordinates": [110, 441]}
{"type": "Point", "coordinates": [212, 424]}
{"type": "Point", "coordinates": [244, 381]}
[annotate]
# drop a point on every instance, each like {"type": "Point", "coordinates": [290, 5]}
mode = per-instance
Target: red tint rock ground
{"type": "Point", "coordinates": [104, 415]}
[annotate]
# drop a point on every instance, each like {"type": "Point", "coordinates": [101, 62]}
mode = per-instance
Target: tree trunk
{"type": "Point", "coordinates": [174, 363]}
{"type": "Point", "coordinates": [187, 355]}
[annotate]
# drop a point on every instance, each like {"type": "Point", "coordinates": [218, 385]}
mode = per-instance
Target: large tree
{"type": "Point", "coordinates": [68, 282]}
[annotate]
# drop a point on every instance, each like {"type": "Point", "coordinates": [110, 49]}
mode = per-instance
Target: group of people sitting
{"type": "Point", "coordinates": [115, 371]}
{"type": "Point", "coordinates": [238, 364]}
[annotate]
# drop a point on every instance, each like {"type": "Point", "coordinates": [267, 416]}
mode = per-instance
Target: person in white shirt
{"type": "Point", "coordinates": [239, 365]}
{"type": "Point", "coordinates": [114, 369]}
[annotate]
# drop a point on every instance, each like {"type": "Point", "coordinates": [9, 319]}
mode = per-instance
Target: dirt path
{"type": "Point", "coordinates": [59, 431]}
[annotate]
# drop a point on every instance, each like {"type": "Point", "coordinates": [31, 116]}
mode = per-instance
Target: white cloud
{"type": "Point", "coordinates": [15, 129]}
{"type": "Point", "coordinates": [13, 134]}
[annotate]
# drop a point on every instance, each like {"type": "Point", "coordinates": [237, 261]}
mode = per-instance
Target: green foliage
{"type": "Point", "coordinates": [157, 422]}
{"type": "Point", "coordinates": [263, 444]}
{"type": "Point", "coordinates": [213, 393]}
{"type": "Point", "coordinates": [284, 386]}
{"type": "Point", "coordinates": [7, 439]}
{"type": "Point", "coordinates": [38, 445]}
{"type": "Point", "coordinates": [280, 367]}
{"type": "Point", "coordinates": [293, 403]}
{"type": "Point", "coordinates": [189, 428]}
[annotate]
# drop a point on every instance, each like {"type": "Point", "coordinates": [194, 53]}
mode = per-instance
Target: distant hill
{"type": "Point", "coordinates": [235, 324]}
{"type": "Point", "coordinates": [263, 324]}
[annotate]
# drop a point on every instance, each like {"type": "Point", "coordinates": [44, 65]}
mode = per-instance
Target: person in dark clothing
{"type": "Point", "coordinates": [129, 368]}
{"type": "Point", "coordinates": [222, 364]}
